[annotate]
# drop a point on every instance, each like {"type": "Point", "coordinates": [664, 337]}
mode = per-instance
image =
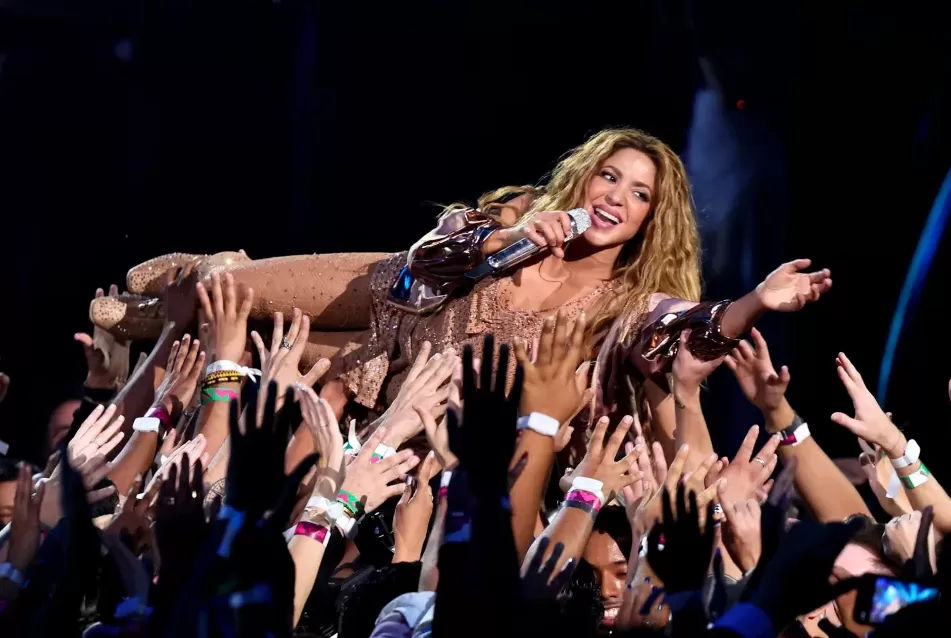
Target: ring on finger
{"type": "Point", "coordinates": [760, 461]}
{"type": "Point", "coordinates": [286, 343]}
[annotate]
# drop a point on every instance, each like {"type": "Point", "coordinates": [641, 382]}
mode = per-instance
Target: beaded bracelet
{"type": "Point", "coordinates": [216, 395]}
{"type": "Point", "coordinates": [350, 502]}
{"type": "Point", "coordinates": [220, 378]}
{"type": "Point", "coordinates": [230, 367]}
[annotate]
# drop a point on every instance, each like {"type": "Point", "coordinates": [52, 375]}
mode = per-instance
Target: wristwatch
{"type": "Point", "coordinates": [912, 452]}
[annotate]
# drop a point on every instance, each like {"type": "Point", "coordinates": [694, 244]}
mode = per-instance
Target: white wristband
{"type": "Point", "coordinates": [446, 477]}
{"type": "Point", "coordinates": [147, 424]}
{"type": "Point", "coordinates": [911, 455]}
{"type": "Point", "coordinates": [320, 502]}
{"type": "Point", "coordinates": [347, 525]}
{"type": "Point", "coordinates": [799, 435]}
{"type": "Point", "coordinates": [541, 423]}
{"type": "Point", "coordinates": [230, 366]}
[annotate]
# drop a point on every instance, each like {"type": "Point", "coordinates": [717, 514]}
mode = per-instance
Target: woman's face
{"type": "Point", "coordinates": [619, 197]}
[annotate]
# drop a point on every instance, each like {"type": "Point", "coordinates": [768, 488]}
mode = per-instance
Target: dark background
{"type": "Point", "coordinates": [130, 129]}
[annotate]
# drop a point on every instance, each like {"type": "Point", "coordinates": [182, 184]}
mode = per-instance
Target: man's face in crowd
{"type": "Point", "coordinates": [60, 420]}
{"type": "Point", "coordinates": [8, 490]}
{"type": "Point", "coordinates": [610, 567]}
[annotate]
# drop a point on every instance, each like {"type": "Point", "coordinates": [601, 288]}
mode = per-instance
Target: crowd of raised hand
{"type": "Point", "coordinates": [172, 506]}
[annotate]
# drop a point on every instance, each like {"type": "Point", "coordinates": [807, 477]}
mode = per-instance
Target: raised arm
{"type": "Point", "coordinates": [828, 493]}
{"type": "Point", "coordinates": [553, 393]}
{"type": "Point", "coordinates": [872, 424]}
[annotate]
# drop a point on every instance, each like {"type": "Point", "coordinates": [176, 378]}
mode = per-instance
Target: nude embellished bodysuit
{"type": "Point", "coordinates": [374, 371]}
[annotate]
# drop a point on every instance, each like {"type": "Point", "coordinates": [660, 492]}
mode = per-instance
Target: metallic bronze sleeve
{"type": "Point", "coordinates": [441, 261]}
{"type": "Point", "coordinates": [660, 340]}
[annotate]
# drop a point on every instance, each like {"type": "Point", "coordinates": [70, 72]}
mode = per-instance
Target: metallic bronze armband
{"type": "Point", "coordinates": [660, 340]}
{"type": "Point", "coordinates": [437, 266]}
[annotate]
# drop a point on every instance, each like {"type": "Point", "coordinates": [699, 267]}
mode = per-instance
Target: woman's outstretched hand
{"type": "Point", "coordinates": [786, 289]}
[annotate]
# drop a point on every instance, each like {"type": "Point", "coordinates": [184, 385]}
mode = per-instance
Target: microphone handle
{"type": "Point", "coordinates": [511, 255]}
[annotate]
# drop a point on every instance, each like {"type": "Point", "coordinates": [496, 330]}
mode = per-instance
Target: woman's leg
{"type": "Point", "coordinates": [333, 290]}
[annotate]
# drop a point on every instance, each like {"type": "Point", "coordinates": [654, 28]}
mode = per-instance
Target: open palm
{"type": "Point", "coordinates": [758, 379]}
{"type": "Point", "coordinates": [786, 289]}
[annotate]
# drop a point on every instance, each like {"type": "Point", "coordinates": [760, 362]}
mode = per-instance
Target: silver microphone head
{"type": "Point", "coordinates": [580, 221]}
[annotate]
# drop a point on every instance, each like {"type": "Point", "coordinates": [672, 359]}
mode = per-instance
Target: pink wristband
{"type": "Point", "coordinates": [319, 533]}
{"type": "Point", "coordinates": [583, 499]}
{"type": "Point", "coordinates": [162, 415]}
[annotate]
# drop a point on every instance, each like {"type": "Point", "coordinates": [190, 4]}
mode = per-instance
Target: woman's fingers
{"type": "Point", "coordinates": [422, 358]}
{"type": "Point", "coordinates": [769, 448]}
{"type": "Point", "coordinates": [230, 296]}
{"type": "Point", "coordinates": [617, 438]}
{"type": "Point", "coordinates": [704, 468]}
{"type": "Point", "coordinates": [852, 425]}
{"type": "Point", "coordinates": [277, 334]}
{"type": "Point", "coordinates": [745, 453]}
{"type": "Point", "coordinates": [205, 301]}
{"type": "Point", "coordinates": [596, 444]}
{"type": "Point", "coordinates": [708, 494]}
{"type": "Point", "coordinates": [79, 439]}
{"type": "Point", "coordinates": [560, 344]}
{"type": "Point", "coordinates": [217, 299]}
{"type": "Point", "coordinates": [746, 350]}
{"type": "Point", "coordinates": [851, 370]}
{"type": "Point", "coordinates": [535, 237]}
{"type": "Point", "coordinates": [173, 356]}
{"type": "Point", "coordinates": [294, 331]}
{"type": "Point", "coordinates": [401, 470]}
{"type": "Point", "coordinates": [546, 342]}
{"type": "Point", "coordinates": [677, 467]}
{"type": "Point", "coordinates": [112, 442]}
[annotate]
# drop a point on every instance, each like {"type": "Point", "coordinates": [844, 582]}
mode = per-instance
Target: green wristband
{"type": "Point", "coordinates": [916, 478]}
{"type": "Point", "coordinates": [216, 395]}
{"type": "Point", "coordinates": [350, 502]}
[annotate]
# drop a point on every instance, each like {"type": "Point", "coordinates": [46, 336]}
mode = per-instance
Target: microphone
{"type": "Point", "coordinates": [524, 248]}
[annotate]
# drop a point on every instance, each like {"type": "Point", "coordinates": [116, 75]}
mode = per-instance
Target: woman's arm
{"type": "Point", "coordinates": [784, 290]}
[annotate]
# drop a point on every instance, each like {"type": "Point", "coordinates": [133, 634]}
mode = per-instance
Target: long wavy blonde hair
{"type": "Point", "coordinates": [664, 256]}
